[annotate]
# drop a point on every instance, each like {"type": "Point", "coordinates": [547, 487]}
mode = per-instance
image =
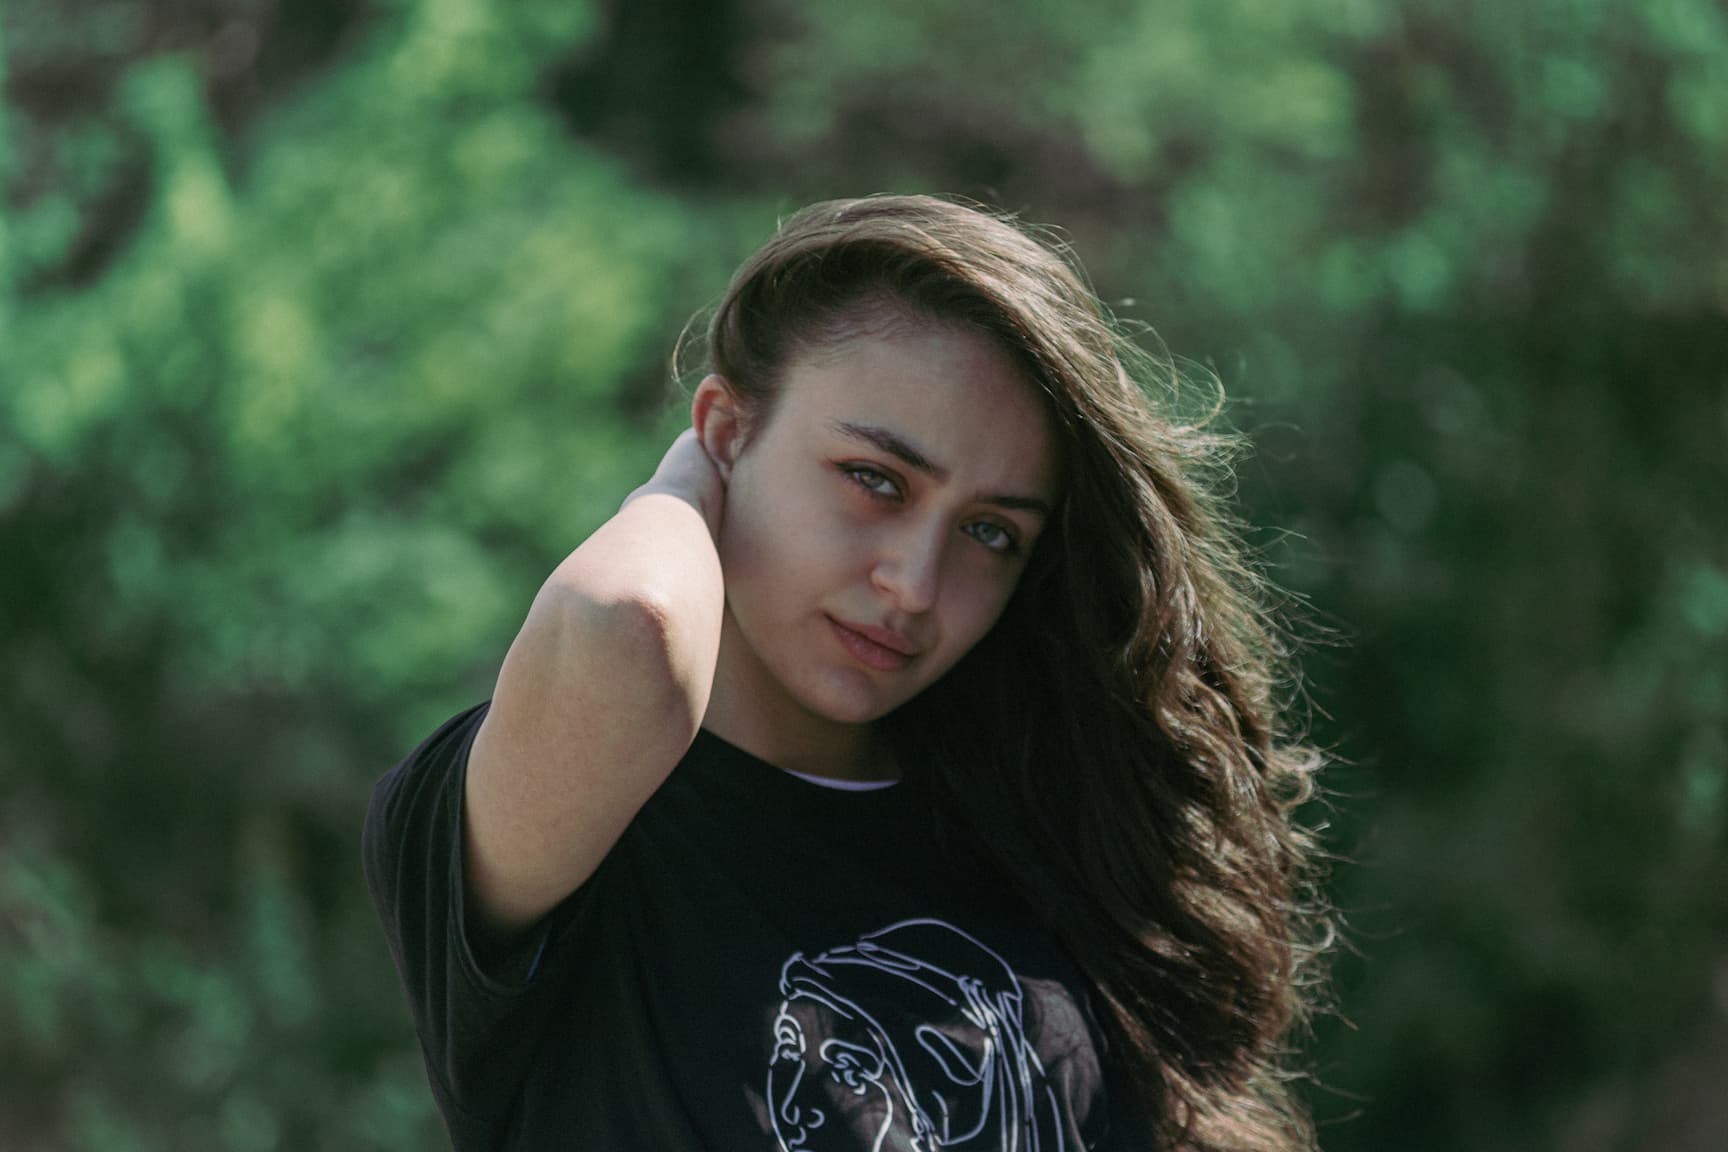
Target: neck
{"type": "Point", "coordinates": [751, 710]}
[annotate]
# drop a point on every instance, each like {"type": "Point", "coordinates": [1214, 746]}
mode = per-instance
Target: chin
{"type": "Point", "coordinates": [848, 708]}
{"type": "Point", "coordinates": [844, 700]}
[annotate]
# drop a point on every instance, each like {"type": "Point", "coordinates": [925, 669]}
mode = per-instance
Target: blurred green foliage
{"type": "Point", "coordinates": [327, 329]}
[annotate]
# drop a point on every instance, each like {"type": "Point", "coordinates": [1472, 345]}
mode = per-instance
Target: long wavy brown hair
{"type": "Point", "coordinates": [1119, 743]}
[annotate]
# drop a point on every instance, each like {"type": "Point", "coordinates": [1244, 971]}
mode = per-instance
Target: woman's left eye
{"type": "Point", "coordinates": [994, 537]}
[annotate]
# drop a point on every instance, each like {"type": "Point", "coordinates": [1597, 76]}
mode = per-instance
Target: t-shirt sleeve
{"type": "Point", "coordinates": [478, 1017]}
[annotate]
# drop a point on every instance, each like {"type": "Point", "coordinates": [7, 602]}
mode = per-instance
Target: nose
{"type": "Point", "coordinates": [805, 1120]}
{"type": "Point", "coordinates": [909, 567]}
{"type": "Point", "coordinates": [799, 1122]}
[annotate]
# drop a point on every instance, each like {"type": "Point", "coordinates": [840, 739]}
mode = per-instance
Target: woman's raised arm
{"type": "Point", "coordinates": [599, 697]}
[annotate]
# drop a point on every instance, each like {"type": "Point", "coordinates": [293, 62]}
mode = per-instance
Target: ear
{"type": "Point", "coordinates": [718, 418]}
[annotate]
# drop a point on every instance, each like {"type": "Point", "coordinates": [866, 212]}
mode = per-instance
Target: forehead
{"type": "Point", "coordinates": [953, 392]}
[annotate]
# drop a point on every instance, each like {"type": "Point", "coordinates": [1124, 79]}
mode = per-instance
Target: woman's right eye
{"type": "Point", "coordinates": [875, 483]}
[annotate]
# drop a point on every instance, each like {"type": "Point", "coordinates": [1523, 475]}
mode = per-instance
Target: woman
{"type": "Point", "coordinates": [926, 623]}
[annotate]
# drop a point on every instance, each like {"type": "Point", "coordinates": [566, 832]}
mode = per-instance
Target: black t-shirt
{"type": "Point", "coordinates": [760, 962]}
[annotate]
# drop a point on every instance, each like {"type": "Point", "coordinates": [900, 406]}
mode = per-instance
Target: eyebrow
{"type": "Point", "coordinates": [903, 450]}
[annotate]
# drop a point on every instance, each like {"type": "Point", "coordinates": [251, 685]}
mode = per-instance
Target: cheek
{"type": "Point", "coordinates": [780, 543]}
{"type": "Point", "coordinates": [753, 526]}
{"type": "Point", "coordinates": [983, 587]}
{"type": "Point", "coordinates": [977, 627]}
{"type": "Point", "coordinates": [793, 511]}
{"type": "Point", "coordinates": [967, 617]}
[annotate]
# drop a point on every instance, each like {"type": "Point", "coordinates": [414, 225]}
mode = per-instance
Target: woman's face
{"type": "Point", "coordinates": [876, 526]}
{"type": "Point", "coordinates": [827, 1082]}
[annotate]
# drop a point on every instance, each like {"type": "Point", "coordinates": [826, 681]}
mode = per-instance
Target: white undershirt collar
{"type": "Point", "coordinates": [843, 785]}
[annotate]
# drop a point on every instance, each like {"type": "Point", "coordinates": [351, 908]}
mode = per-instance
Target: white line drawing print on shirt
{"type": "Point", "coordinates": [912, 1038]}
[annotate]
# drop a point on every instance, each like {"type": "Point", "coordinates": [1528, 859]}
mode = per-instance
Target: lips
{"type": "Point", "coordinates": [874, 647]}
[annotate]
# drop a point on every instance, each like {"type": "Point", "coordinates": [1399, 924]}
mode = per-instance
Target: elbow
{"type": "Point", "coordinates": [674, 659]}
{"type": "Point", "coordinates": [646, 642]}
